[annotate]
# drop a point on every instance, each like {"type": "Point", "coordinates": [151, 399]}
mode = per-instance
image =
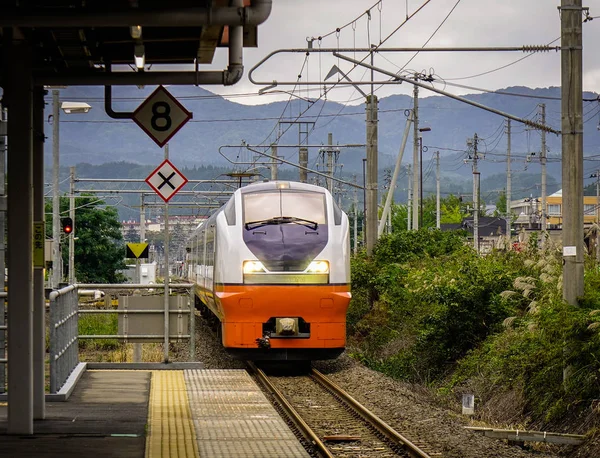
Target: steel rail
{"type": "Point", "coordinates": [291, 412]}
{"type": "Point", "coordinates": [394, 436]}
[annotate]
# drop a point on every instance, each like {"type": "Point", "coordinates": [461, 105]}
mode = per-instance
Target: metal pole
{"type": "Point", "coordinates": [3, 137]}
{"type": "Point", "coordinates": [544, 174]}
{"type": "Point", "coordinates": [56, 261]}
{"type": "Point", "coordinates": [438, 213]}
{"type": "Point", "coordinates": [166, 294]}
{"type": "Point", "coordinates": [274, 162]}
{"type": "Point", "coordinates": [371, 173]}
{"type": "Point", "coordinates": [508, 186]}
{"type": "Point", "coordinates": [390, 195]}
{"type": "Point", "coordinates": [303, 162]}
{"type": "Point", "coordinates": [415, 162]}
{"type": "Point", "coordinates": [72, 234]}
{"type": "Point", "coordinates": [330, 161]}
{"type": "Point", "coordinates": [572, 149]}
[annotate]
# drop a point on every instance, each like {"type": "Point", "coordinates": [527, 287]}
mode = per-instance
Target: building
{"type": "Point", "coordinates": [529, 211]}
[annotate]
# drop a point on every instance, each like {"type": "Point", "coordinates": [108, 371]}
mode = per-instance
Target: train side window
{"type": "Point", "coordinates": [230, 212]}
{"type": "Point", "coordinates": [337, 214]}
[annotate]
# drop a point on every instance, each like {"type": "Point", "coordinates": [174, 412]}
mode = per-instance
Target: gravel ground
{"type": "Point", "coordinates": [396, 403]}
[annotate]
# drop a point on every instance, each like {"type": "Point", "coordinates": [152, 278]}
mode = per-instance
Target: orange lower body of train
{"type": "Point", "coordinates": [283, 322]}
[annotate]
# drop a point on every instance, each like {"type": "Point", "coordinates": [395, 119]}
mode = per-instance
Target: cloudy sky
{"type": "Point", "coordinates": [461, 23]}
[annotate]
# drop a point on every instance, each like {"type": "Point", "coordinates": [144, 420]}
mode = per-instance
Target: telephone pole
{"type": "Point", "coordinates": [437, 190]}
{"type": "Point", "coordinates": [543, 163]}
{"type": "Point", "coordinates": [572, 148]}
{"type": "Point", "coordinates": [415, 162]}
{"type": "Point", "coordinates": [508, 185]}
{"type": "Point", "coordinates": [372, 200]}
{"type": "Point", "coordinates": [472, 142]}
{"type": "Point", "coordinates": [409, 200]}
{"type": "Point", "coordinates": [355, 218]}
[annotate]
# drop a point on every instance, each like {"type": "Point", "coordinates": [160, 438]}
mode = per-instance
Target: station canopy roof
{"type": "Point", "coordinates": [80, 37]}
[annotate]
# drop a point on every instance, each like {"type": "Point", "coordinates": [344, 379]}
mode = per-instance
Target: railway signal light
{"type": "Point", "coordinates": [67, 225]}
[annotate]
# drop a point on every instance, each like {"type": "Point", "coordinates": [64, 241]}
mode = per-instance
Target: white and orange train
{"type": "Point", "coordinates": [273, 266]}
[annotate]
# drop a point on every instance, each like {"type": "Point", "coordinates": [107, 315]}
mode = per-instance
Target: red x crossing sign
{"type": "Point", "coordinates": [166, 180]}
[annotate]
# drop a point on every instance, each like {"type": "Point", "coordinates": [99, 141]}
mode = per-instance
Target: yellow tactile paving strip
{"type": "Point", "coordinates": [171, 431]}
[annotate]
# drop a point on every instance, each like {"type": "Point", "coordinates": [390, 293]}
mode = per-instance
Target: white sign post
{"type": "Point", "coordinates": [161, 116]}
{"type": "Point", "coordinates": [166, 180]}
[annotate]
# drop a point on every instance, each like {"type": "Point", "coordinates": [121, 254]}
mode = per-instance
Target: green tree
{"type": "Point", "coordinates": [99, 247]}
{"type": "Point", "coordinates": [501, 205]}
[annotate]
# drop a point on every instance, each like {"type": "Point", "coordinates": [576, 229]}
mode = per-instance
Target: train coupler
{"type": "Point", "coordinates": [264, 342]}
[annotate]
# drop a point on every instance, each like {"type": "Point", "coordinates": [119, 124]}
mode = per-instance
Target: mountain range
{"type": "Point", "coordinates": [94, 138]}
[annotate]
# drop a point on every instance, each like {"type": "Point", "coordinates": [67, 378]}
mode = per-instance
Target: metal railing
{"type": "Point", "coordinates": [64, 325]}
{"type": "Point", "coordinates": [64, 348]}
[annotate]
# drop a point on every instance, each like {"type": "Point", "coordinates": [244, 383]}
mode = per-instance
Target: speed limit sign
{"type": "Point", "coordinates": [161, 116]}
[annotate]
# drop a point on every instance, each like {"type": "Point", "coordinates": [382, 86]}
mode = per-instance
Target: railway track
{"type": "Point", "coordinates": [331, 421]}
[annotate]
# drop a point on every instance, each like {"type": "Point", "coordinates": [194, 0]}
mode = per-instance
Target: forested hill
{"type": "Point", "coordinates": [96, 139]}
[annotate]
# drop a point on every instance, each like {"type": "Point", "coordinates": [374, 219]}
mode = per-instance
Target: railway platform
{"type": "Point", "coordinates": [157, 414]}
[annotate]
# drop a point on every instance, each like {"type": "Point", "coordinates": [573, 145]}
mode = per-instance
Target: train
{"type": "Point", "coordinates": [271, 267]}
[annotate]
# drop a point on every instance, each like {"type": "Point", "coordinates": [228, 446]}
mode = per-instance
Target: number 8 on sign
{"type": "Point", "coordinates": [161, 116]}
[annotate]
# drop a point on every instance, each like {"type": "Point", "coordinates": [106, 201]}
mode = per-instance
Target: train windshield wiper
{"type": "Point", "coordinates": [282, 220]}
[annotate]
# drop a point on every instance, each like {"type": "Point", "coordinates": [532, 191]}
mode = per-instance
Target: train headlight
{"type": "Point", "coordinates": [251, 267]}
{"type": "Point", "coordinates": [318, 267]}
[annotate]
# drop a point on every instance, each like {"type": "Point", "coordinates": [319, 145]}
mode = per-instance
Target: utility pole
{"type": "Point", "coordinates": [473, 142]}
{"type": "Point", "coordinates": [596, 175]}
{"type": "Point", "coordinates": [274, 162]}
{"type": "Point", "coordinates": [572, 148]}
{"type": "Point", "coordinates": [415, 162]}
{"type": "Point", "coordinates": [409, 200]}
{"type": "Point", "coordinates": [72, 234]}
{"type": "Point", "coordinates": [355, 218]}
{"type": "Point", "coordinates": [508, 186]}
{"type": "Point", "coordinates": [543, 163]}
{"type": "Point", "coordinates": [437, 190]}
{"type": "Point", "coordinates": [56, 261]}
{"type": "Point", "coordinates": [372, 199]}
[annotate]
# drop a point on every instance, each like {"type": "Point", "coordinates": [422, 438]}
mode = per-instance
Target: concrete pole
{"type": "Point", "coordinates": [597, 214]}
{"type": "Point", "coordinates": [438, 213]}
{"type": "Point", "coordinates": [372, 199]}
{"type": "Point", "coordinates": [475, 197]}
{"type": "Point", "coordinates": [415, 162]}
{"type": "Point", "coordinates": [508, 185]}
{"type": "Point", "coordinates": [397, 167]}
{"type": "Point", "coordinates": [18, 95]}
{"type": "Point", "coordinates": [39, 300]}
{"type": "Point", "coordinates": [409, 200]}
{"type": "Point", "coordinates": [544, 173]}
{"type": "Point", "coordinates": [330, 161]}
{"type": "Point", "coordinates": [572, 149]}
{"type": "Point", "coordinates": [355, 218]}
{"type": "Point", "coordinates": [273, 162]}
{"type": "Point", "coordinates": [72, 234]}
{"type": "Point", "coordinates": [56, 260]}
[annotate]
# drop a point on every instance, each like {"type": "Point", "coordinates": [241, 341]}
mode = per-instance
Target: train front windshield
{"type": "Point", "coordinates": [304, 205]}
